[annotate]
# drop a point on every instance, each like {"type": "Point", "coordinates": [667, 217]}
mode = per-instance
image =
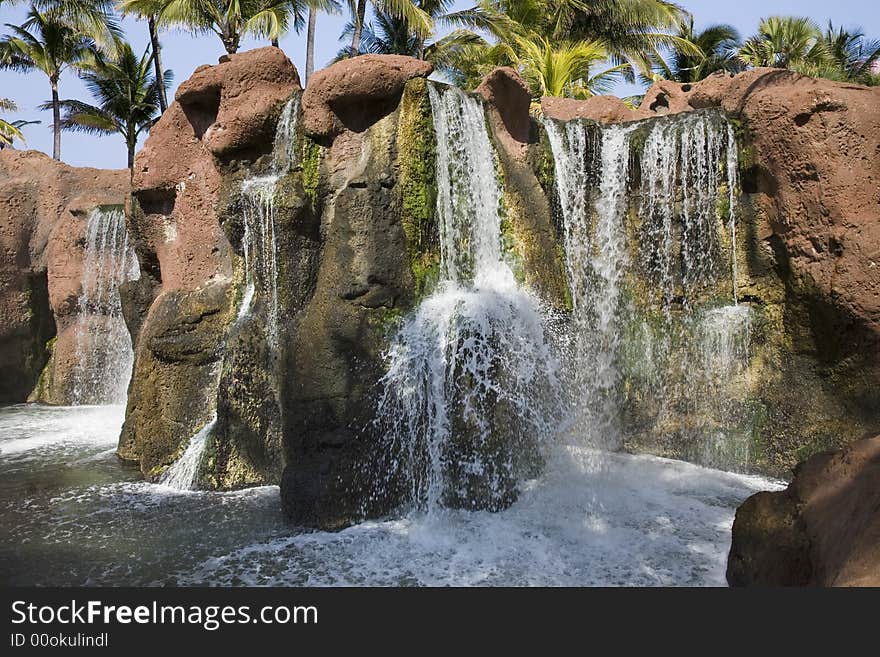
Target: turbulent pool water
{"type": "Point", "coordinates": [72, 515]}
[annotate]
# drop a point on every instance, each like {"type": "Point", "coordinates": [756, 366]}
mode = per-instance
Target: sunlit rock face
{"type": "Point", "coordinates": [45, 207]}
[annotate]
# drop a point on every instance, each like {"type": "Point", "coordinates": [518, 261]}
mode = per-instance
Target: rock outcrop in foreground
{"type": "Point", "coordinates": [823, 530]}
{"type": "Point", "coordinates": [43, 209]}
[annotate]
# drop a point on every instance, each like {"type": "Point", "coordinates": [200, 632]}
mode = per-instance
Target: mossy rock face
{"type": "Point", "coordinates": [178, 357]}
{"type": "Point", "coordinates": [417, 184]}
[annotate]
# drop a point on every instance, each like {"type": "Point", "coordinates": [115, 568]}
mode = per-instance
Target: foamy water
{"type": "Point", "coordinates": [72, 515]}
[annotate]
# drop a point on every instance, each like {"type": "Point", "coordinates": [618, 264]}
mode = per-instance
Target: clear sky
{"type": "Point", "coordinates": [183, 53]}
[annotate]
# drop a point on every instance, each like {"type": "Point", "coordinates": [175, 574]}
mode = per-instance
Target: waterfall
{"type": "Point", "coordinates": [649, 219]}
{"type": "Point", "coordinates": [460, 403]}
{"type": "Point", "coordinates": [183, 473]}
{"type": "Point", "coordinates": [595, 262]}
{"type": "Point", "coordinates": [259, 246]}
{"type": "Point", "coordinates": [260, 250]}
{"type": "Point", "coordinates": [103, 351]}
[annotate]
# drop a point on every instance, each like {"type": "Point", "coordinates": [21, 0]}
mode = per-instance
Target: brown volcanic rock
{"type": "Point", "coordinates": [181, 309]}
{"type": "Point", "coordinates": [604, 109]}
{"type": "Point", "coordinates": [355, 93]}
{"type": "Point", "coordinates": [823, 530]}
{"type": "Point", "coordinates": [509, 100]}
{"type": "Point", "coordinates": [43, 206]}
{"type": "Point", "coordinates": [234, 105]}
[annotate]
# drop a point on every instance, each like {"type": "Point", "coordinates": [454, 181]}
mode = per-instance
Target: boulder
{"type": "Point", "coordinates": [355, 93]}
{"type": "Point", "coordinates": [234, 105]}
{"type": "Point", "coordinates": [43, 207]}
{"type": "Point", "coordinates": [823, 530]}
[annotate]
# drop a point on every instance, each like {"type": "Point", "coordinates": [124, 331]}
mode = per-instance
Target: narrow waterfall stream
{"type": "Point", "coordinates": [103, 356]}
{"type": "Point", "coordinates": [260, 255]}
{"type": "Point", "coordinates": [501, 419]}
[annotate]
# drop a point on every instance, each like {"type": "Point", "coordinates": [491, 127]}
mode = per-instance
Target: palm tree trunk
{"type": "Point", "coordinates": [132, 145]}
{"type": "Point", "coordinates": [157, 62]}
{"type": "Point", "coordinates": [275, 43]}
{"type": "Point", "coordinates": [310, 43]}
{"type": "Point", "coordinates": [358, 26]}
{"type": "Point", "coordinates": [56, 120]}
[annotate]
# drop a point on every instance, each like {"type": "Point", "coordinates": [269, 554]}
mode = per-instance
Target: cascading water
{"type": "Point", "coordinates": [646, 275]}
{"type": "Point", "coordinates": [103, 352]}
{"type": "Point", "coordinates": [183, 474]}
{"type": "Point", "coordinates": [260, 249]}
{"type": "Point", "coordinates": [595, 263]}
{"type": "Point", "coordinates": [460, 400]}
{"type": "Point", "coordinates": [259, 244]}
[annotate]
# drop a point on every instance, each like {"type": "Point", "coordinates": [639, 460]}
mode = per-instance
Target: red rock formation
{"type": "Point", "coordinates": [508, 97]}
{"type": "Point", "coordinates": [823, 530]}
{"type": "Point", "coordinates": [43, 206]}
{"type": "Point", "coordinates": [183, 303]}
{"type": "Point", "coordinates": [355, 93]}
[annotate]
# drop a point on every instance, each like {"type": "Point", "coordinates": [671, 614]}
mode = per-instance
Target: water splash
{"type": "Point", "coordinates": [461, 405]}
{"type": "Point", "coordinates": [183, 473]}
{"type": "Point", "coordinates": [103, 352]}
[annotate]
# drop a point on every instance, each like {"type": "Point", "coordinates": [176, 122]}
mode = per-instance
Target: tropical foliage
{"type": "Point", "coordinates": [47, 43]}
{"type": "Point", "coordinates": [127, 94]}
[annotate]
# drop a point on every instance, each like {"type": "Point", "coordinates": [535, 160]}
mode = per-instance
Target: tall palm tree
{"type": "Point", "coordinates": [48, 44]}
{"type": "Point", "coordinates": [127, 94]}
{"type": "Point", "coordinates": [785, 42]}
{"type": "Point", "coordinates": [718, 45]}
{"type": "Point", "coordinates": [230, 20]}
{"type": "Point", "coordinates": [93, 17]}
{"type": "Point", "coordinates": [149, 10]}
{"type": "Point", "coordinates": [315, 6]}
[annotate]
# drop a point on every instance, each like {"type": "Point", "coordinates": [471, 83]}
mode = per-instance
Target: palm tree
{"type": "Point", "coordinates": [785, 42]}
{"type": "Point", "coordinates": [47, 44]}
{"type": "Point", "coordinates": [384, 35]}
{"type": "Point", "coordinates": [9, 131]}
{"type": "Point", "coordinates": [92, 17]}
{"type": "Point", "coordinates": [149, 10]}
{"type": "Point", "coordinates": [563, 69]}
{"type": "Point", "coordinates": [718, 45]}
{"type": "Point", "coordinates": [408, 10]}
{"type": "Point", "coordinates": [852, 56]}
{"type": "Point", "coordinates": [634, 31]}
{"type": "Point", "coordinates": [128, 97]}
{"type": "Point", "coordinates": [230, 20]}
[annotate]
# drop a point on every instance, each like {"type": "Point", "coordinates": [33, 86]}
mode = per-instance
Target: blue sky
{"type": "Point", "coordinates": [183, 53]}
